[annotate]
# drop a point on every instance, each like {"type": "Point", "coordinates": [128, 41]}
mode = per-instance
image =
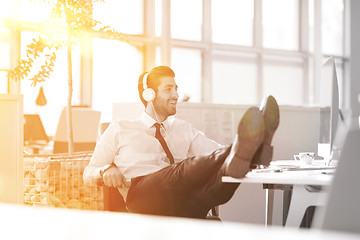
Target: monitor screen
{"type": "Point", "coordinates": [329, 111]}
{"type": "Point", "coordinates": [33, 129]}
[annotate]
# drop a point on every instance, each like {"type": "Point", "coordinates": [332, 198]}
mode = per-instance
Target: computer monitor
{"type": "Point", "coordinates": [33, 129]}
{"type": "Point", "coordinates": [330, 114]}
{"type": "Point", "coordinates": [85, 124]}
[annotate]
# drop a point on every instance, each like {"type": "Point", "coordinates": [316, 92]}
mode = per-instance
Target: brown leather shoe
{"type": "Point", "coordinates": [271, 113]}
{"type": "Point", "coordinates": [249, 137]}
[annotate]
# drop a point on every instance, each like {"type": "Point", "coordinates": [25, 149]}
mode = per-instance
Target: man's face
{"type": "Point", "coordinates": [166, 97]}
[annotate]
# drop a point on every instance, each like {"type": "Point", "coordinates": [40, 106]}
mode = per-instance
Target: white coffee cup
{"type": "Point", "coordinates": [305, 157]}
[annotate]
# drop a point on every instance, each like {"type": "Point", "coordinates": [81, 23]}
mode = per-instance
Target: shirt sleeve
{"type": "Point", "coordinates": [104, 154]}
{"type": "Point", "coordinates": [201, 144]}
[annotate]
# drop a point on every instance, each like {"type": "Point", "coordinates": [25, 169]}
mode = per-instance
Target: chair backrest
{"type": "Point", "coordinates": [103, 127]}
{"type": "Point", "coordinates": [342, 212]}
{"type": "Point", "coordinates": [85, 130]}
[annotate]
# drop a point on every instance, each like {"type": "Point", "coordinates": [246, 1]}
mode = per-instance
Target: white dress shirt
{"type": "Point", "coordinates": [132, 146]}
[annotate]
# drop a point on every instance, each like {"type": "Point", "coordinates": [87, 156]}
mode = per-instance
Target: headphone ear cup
{"type": "Point", "coordinates": [148, 94]}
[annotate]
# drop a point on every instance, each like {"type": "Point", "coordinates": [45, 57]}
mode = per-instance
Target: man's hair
{"type": "Point", "coordinates": [153, 79]}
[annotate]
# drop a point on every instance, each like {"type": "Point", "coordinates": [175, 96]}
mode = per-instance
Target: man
{"type": "Point", "coordinates": [164, 166]}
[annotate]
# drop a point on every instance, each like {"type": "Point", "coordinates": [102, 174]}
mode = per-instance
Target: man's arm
{"type": "Point", "coordinates": [101, 166]}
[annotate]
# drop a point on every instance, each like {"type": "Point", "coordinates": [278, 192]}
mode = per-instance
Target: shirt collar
{"type": "Point", "coordinates": [149, 121]}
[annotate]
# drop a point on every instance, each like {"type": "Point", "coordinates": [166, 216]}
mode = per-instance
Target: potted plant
{"type": "Point", "coordinates": [69, 20]}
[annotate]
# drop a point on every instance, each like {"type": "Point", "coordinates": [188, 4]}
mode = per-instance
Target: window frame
{"type": "Point", "coordinates": [149, 41]}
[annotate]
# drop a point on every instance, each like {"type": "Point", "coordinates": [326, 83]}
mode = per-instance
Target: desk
{"type": "Point", "coordinates": [39, 147]}
{"type": "Point", "coordinates": [298, 180]}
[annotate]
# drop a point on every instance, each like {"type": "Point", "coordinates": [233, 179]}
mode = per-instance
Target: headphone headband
{"type": "Point", "coordinates": [145, 80]}
{"type": "Point", "coordinates": [148, 93]}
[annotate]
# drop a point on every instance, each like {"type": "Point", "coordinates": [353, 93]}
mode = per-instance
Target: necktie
{"type": "Point", "coordinates": [161, 139]}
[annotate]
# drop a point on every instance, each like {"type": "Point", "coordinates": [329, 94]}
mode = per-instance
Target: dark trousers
{"type": "Point", "coordinates": [189, 188]}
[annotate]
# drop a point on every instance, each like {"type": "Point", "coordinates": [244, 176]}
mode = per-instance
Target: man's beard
{"type": "Point", "coordinates": [167, 110]}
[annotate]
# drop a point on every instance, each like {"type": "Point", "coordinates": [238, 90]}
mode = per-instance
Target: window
{"type": "Point", "coordinates": [232, 21]}
{"type": "Point", "coordinates": [116, 69]}
{"type": "Point", "coordinates": [234, 81]}
{"type": "Point", "coordinates": [332, 18]}
{"type": "Point", "coordinates": [284, 82]}
{"type": "Point", "coordinates": [123, 15]}
{"type": "Point", "coordinates": [34, 11]}
{"type": "Point", "coordinates": [186, 19]}
{"type": "Point", "coordinates": [311, 22]}
{"type": "Point", "coordinates": [3, 82]}
{"type": "Point", "coordinates": [281, 24]}
{"type": "Point", "coordinates": [186, 64]}
{"type": "Point", "coordinates": [158, 17]}
{"type": "Point", "coordinates": [157, 56]}
{"type": "Point", "coordinates": [5, 57]}
{"type": "Point", "coordinates": [8, 9]}
{"type": "Point", "coordinates": [222, 51]}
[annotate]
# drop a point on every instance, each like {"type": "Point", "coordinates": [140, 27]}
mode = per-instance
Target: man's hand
{"type": "Point", "coordinates": [114, 178]}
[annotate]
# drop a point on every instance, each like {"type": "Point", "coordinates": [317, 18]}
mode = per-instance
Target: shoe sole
{"type": "Point", "coordinates": [271, 113]}
{"type": "Point", "coordinates": [250, 136]}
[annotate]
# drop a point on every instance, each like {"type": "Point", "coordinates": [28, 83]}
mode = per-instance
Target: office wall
{"type": "Point", "coordinates": [298, 130]}
{"type": "Point", "coordinates": [11, 148]}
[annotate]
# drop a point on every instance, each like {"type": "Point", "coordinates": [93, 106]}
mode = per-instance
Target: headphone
{"type": "Point", "coordinates": [148, 94]}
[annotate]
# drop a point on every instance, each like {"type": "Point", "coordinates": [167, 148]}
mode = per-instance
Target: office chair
{"type": "Point", "coordinates": [85, 130]}
{"type": "Point", "coordinates": [114, 201]}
